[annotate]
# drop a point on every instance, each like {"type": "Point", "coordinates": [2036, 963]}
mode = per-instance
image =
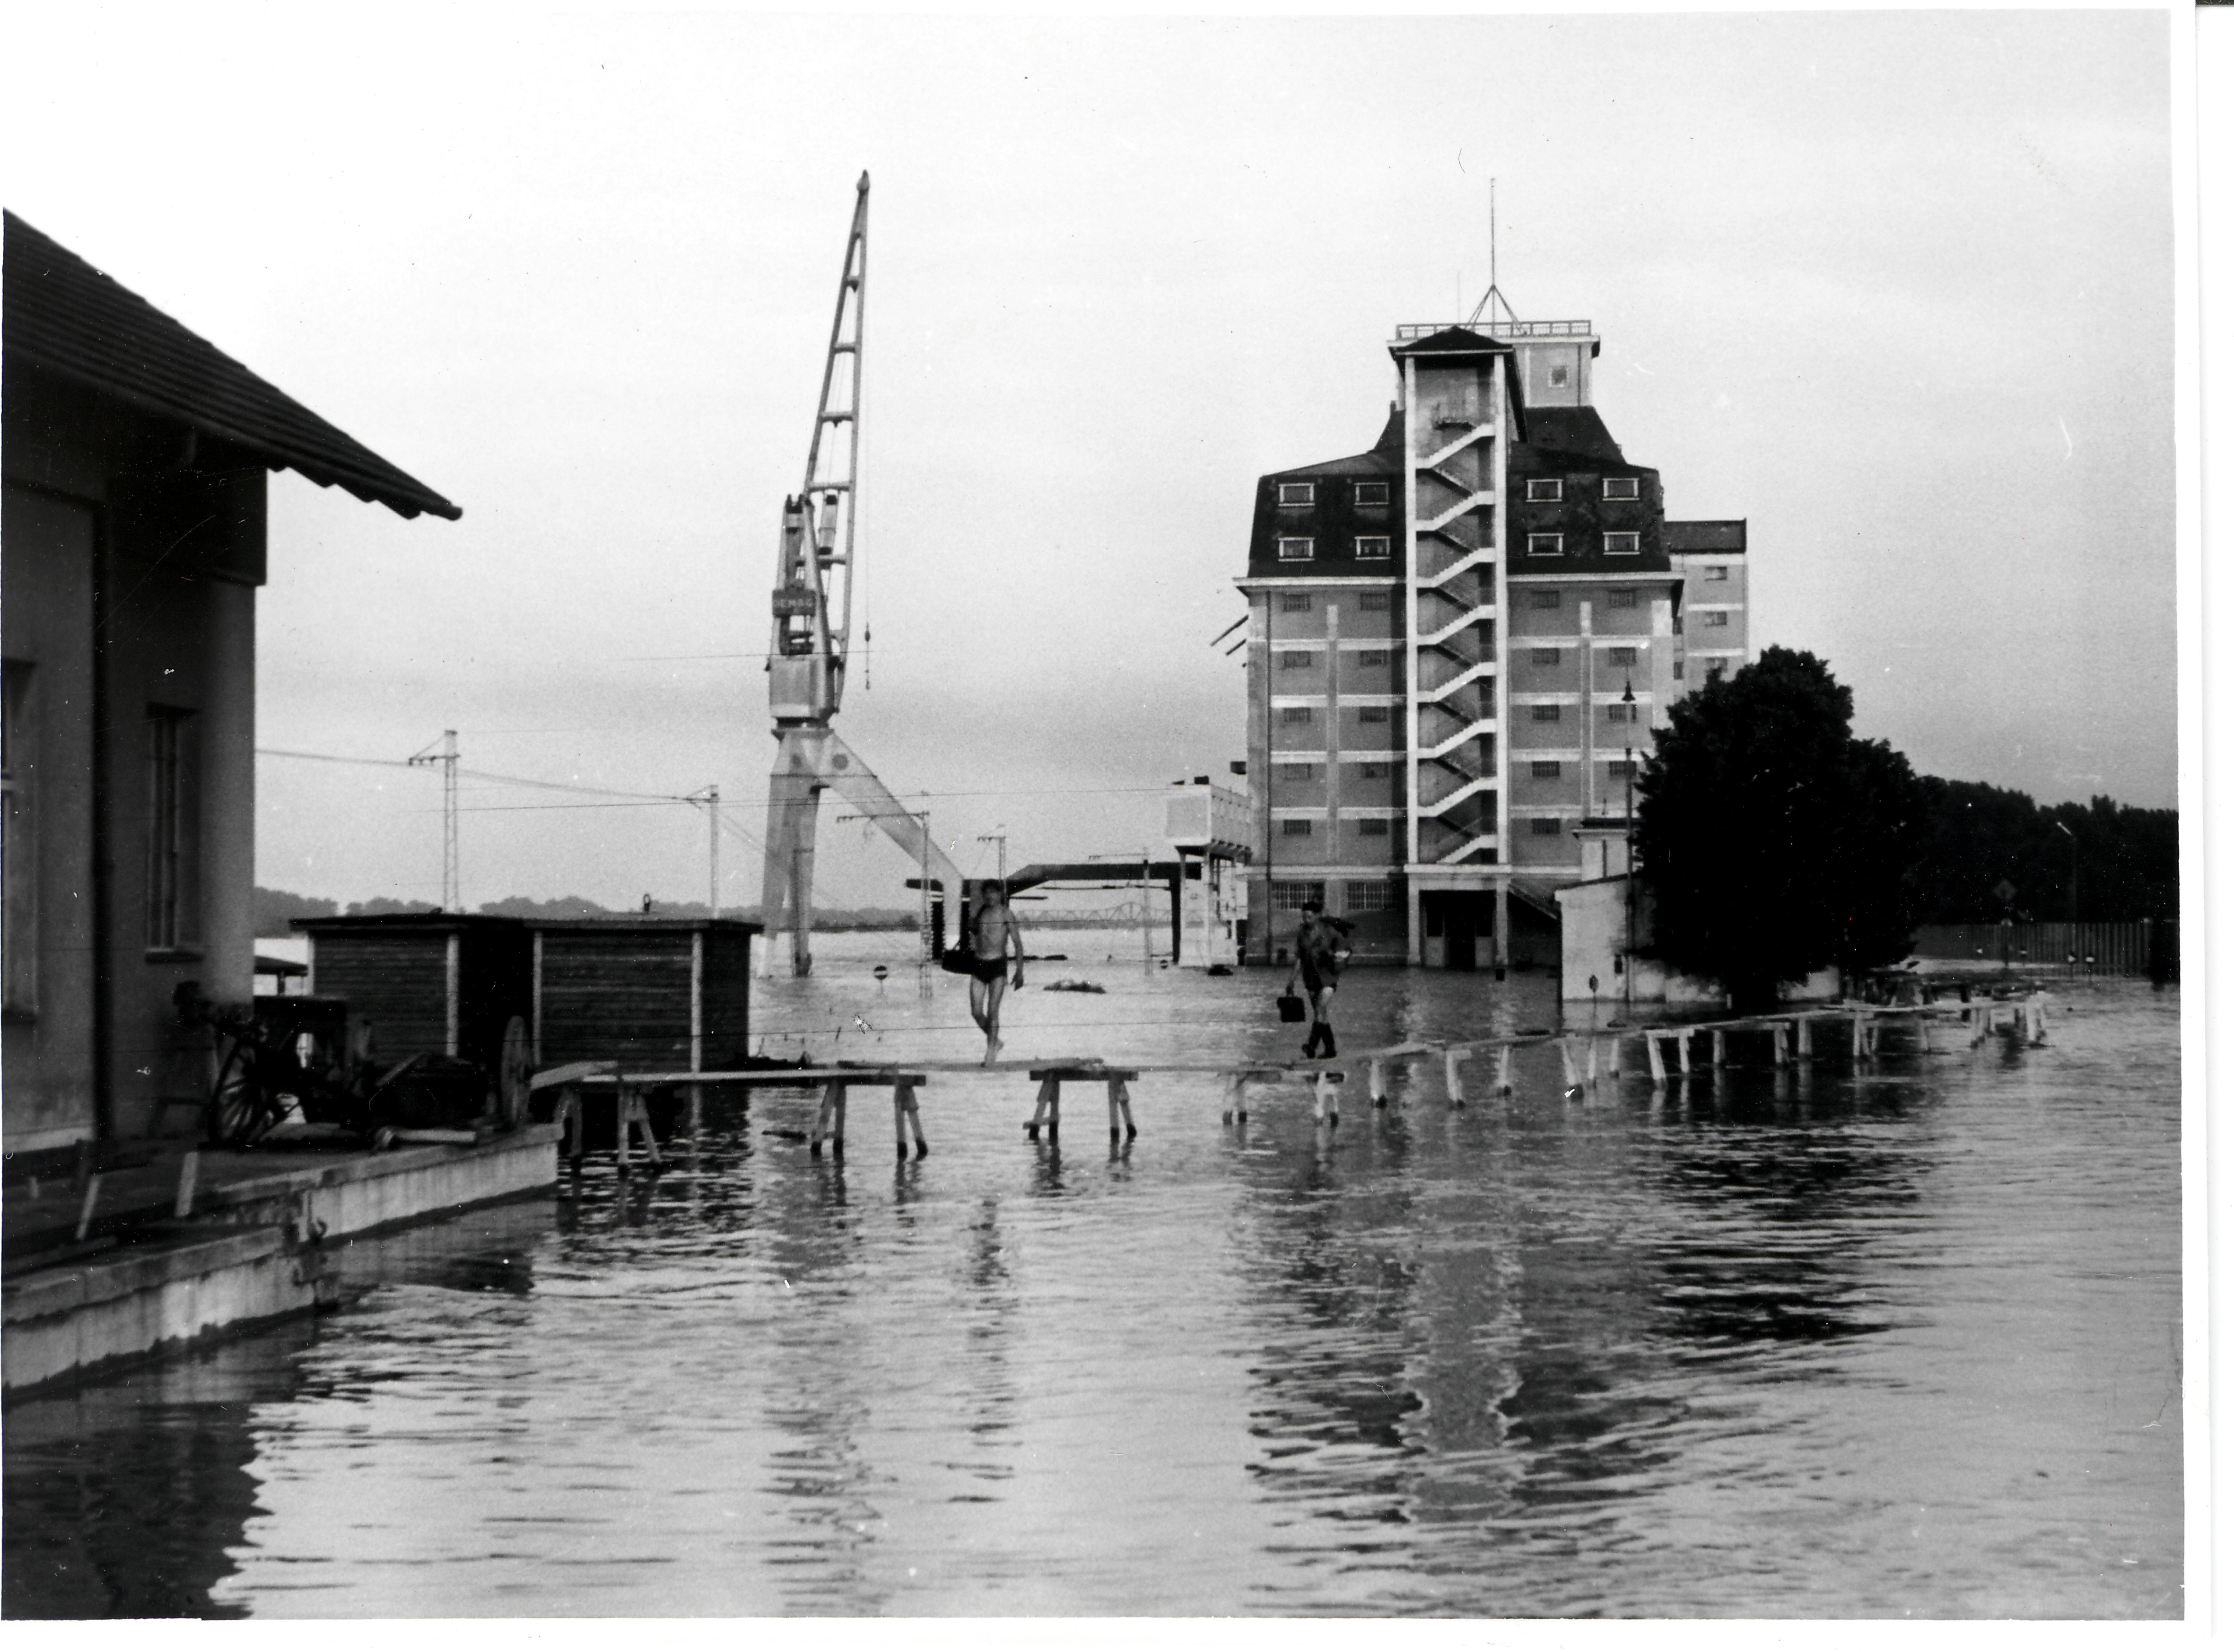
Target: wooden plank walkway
{"type": "Point", "coordinates": [1585, 1058]}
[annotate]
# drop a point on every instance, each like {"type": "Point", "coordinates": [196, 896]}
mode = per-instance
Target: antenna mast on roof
{"type": "Point", "coordinates": [1492, 297]}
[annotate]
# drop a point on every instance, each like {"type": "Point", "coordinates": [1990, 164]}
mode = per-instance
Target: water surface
{"type": "Point", "coordinates": [1900, 1341]}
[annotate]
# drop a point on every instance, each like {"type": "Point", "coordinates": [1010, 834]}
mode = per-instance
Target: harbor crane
{"type": "Point", "coordinates": [810, 639]}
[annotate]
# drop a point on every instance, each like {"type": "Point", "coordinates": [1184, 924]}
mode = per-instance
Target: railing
{"type": "Point", "coordinates": [2116, 949]}
{"type": "Point", "coordinates": [1408, 331]}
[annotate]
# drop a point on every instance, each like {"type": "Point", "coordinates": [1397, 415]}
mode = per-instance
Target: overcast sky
{"type": "Point", "coordinates": [1896, 288]}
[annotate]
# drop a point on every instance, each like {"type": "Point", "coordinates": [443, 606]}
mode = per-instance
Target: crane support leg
{"type": "Point", "coordinates": [809, 761]}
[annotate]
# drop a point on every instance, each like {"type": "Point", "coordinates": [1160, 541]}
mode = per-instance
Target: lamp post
{"type": "Point", "coordinates": [1629, 837]}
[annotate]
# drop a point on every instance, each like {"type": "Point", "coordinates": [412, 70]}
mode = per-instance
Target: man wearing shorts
{"type": "Point", "coordinates": [993, 941]}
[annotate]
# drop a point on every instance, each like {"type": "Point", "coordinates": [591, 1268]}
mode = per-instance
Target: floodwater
{"type": "Point", "coordinates": [1898, 1342]}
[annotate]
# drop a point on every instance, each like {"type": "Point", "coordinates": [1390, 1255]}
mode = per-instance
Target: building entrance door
{"type": "Point", "coordinates": [1456, 925]}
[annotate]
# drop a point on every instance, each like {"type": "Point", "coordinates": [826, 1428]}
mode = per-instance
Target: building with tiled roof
{"type": "Point", "coordinates": [134, 456]}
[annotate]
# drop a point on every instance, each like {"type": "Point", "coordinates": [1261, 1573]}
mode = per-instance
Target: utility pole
{"type": "Point", "coordinates": [711, 797]}
{"type": "Point", "coordinates": [2071, 895]}
{"type": "Point", "coordinates": [448, 757]}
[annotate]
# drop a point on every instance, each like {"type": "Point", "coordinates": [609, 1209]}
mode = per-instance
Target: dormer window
{"type": "Point", "coordinates": [1543, 544]}
{"type": "Point", "coordinates": [1369, 494]}
{"type": "Point", "coordinates": [1298, 493]}
{"type": "Point", "coordinates": [1621, 545]}
{"type": "Point", "coordinates": [1293, 550]}
{"type": "Point", "coordinates": [1545, 490]}
{"type": "Point", "coordinates": [1621, 487]}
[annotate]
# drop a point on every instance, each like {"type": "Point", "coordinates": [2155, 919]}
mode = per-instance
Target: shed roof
{"type": "Point", "coordinates": [65, 316]}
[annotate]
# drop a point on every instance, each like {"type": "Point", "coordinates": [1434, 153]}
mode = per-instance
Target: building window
{"type": "Point", "coordinates": [1293, 894]}
{"type": "Point", "coordinates": [1373, 827]}
{"type": "Point", "coordinates": [1545, 490]}
{"type": "Point", "coordinates": [1295, 550]}
{"type": "Point", "coordinates": [1294, 715]}
{"type": "Point", "coordinates": [1369, 657]}
{"type": "Point", "coordinates": [1295, 602]}
{"type": "Point", "coordinates": [1621, 487]}
{"type": "Point", "coordinates": [1302, 773]}
{"type": "Point", "coordinates": [1372, 771]}
{"type": "Point", "coordinates": [1297, 493]}
{"type": "Point", "coordinates": [1543, 599]}
{"type": "Point", "coordinates": [1620, 769]}
{"type": "Point", "coordinates": [1371, 493]}
{"type": "Point", "coordinates": [1711, 620]}
{"type": "Point", "coordinates": [1372, 602]}
{"type": "Point", "coordinates": [1294, 828]}
{"type": "Point", "coordinates": [1543, 713]}
{"type": "Point", "coordinates": [1617, 712]}
{"type": "Point", "coordinates": [1297, 659]}
{"type": "Point", "coordinates": [1621, 599]}
{"type": "Point", "coordinates": [1679, 670]}
{"type": "Point", "coordinates": [1621, 656]}
{"type": "Point", "coordinates": [1372, 713]}
{"type": "Point", "coordinates": [1375, 896]}
{"type": "Point", "coordinates": [172, 918]}
{"type": "Point", "coordinates": [1621, 544]}
{"type": "Point", "coordinates": [1544, 826]}
{"type": "Point", "coordinates": [1718, 574]}
{"type": "Point", "coordinates": [1372, 548]}
{"type": "Point", "coordinates": [19, 940]}
{"type": "Point", "coordinates": [1559, 374]}
{"type": "Point", "coordinates": [1544, 769]}
{"type": "Point", "coordinates": [1543, 544]}
{"type": "Point", "coordinates": [1543, 657]}
{"type": "Point", "coordinates": [1714, 672]}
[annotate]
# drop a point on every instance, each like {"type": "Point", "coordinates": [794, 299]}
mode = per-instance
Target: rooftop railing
{"type": "Point", "coordinates": [1408, 331]}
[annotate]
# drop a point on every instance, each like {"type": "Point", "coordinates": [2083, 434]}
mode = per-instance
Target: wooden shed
{"type": "Point", "coordinates": [444, 983]}
{"type": "Point", "coordinates": [667, 993]}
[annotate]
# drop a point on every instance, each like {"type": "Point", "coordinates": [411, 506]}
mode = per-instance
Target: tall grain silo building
{"type": "Point", "coordinates": [1460, 642]}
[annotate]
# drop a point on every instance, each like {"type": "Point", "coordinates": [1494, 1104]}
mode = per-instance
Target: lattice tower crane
{"type": "Point", "coordinates": [810, 639]}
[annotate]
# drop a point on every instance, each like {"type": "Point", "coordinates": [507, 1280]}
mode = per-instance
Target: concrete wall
{"type": "Point", "coordinates": [46, 615]}
{"type": "Point", "coordinates": [133, 553]}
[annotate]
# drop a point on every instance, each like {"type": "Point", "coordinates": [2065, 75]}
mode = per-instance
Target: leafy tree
{"type": "Point", "coordinates": [1772, 840]}
{"type": "Point", "coordinates": [1977, 836]}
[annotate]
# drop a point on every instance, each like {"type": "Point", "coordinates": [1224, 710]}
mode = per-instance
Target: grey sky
{"type": "Point", "coordinates": [1896, 287]}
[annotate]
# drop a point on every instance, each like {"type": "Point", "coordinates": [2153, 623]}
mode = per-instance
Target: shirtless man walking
{"type": "Point", "coordinates": [993, 941]}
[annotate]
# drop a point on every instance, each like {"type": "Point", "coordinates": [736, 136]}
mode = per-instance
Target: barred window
{"type": "Point", "coordinates": [1544, 769]}
{"type": "Point", "coordinates": [1372, 713]}
{"type": "Point", "coordinates": [1295, 602]}
{"type": "Point", "coordinates": [1544, 826]}
{"type": "Point", "coordinates": [1295, 550]}
{"type": "Point", "coordinates": [1621, 599]}
{"type": "Point", "coordinates": [1368, 657]}
{"type": "Point", "coordinates": [1293, 828]}
{"type": "Point", "coordinates": [1299, 773]}
{"type": "Point", "coordinates": [1543, 599]}
{"type": "Point", "coordinates": [1372, 602]}
{"type": "Point", "coordinates": [1543, 713]}
{"type": "Point", "coordinates": [1297, 659]}
{"type": "Point", "coordinates": [1373, 547]}
{"type": "Point", "coordinates": [1543, 657]}
{"type": "Point", "coordinates": [1621, 656]}
{"type": "Point", "coordinates": [1621, 544]}
{"type": "Point", "coordinates": [1619, 712]}
{"type": "Point", "coordinates": [1293, 894]}
{"type": "Point", "coordinates": [1373, 827]}
{"type": "Point", "coordinates": [1363, 897]}
{"type": "Point", "coordinates": [1294, 714]}
{"type": "Point", "coordinates": [1372, 771]}
{"type": "Point", "coordinates": [1543, 544]}
{"type": "Point", "coordinates": [1371, 493]}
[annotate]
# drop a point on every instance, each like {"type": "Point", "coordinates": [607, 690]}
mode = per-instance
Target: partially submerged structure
{"type": "Point", "coordinates": [135, 457]}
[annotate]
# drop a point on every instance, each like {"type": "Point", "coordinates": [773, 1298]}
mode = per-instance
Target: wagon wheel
{"type": "Point", "coordinates": [511, 1076]}
{"type": "Point", "coordinates": [237, 1104]}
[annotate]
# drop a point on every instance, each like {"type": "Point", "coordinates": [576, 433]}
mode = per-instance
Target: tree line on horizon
{"type": "Point", "coordinates": [1774, 842]}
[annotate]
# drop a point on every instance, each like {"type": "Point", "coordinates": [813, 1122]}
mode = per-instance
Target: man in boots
{"type": "Point", "coordinates": [1318, 964]}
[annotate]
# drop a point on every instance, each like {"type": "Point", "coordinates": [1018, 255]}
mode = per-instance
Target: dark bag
{"type": "Point", "coordinates": [1292, 1008]}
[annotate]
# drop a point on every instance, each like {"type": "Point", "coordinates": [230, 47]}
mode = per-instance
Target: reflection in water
{"type": "Point", "coordinates": [1825, 1342]}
